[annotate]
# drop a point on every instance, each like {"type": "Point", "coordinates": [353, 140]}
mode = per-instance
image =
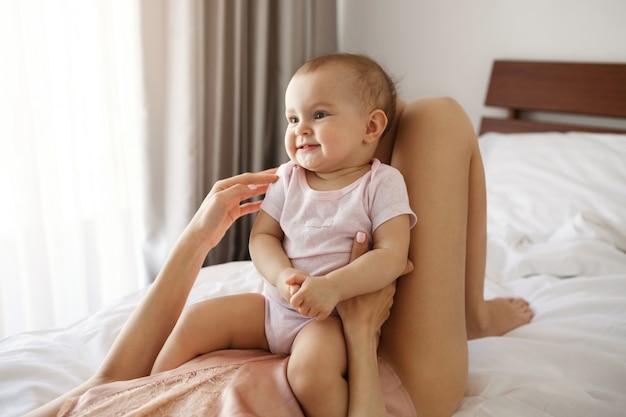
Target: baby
{"type": "Point", "coordinates": [338, 107]}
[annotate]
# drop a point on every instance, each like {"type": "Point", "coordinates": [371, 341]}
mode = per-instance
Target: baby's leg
{"type": "Point", "coordinates": [232, 322]}
{"type": "Point", "coordinates": [317, 367]}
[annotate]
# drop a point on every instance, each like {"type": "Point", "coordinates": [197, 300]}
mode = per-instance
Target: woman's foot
{"type": "Point", "coordinates": [498, 316]}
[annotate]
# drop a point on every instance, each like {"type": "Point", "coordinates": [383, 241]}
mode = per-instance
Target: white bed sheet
{"type": "Point", "coordinates": [569, 361]}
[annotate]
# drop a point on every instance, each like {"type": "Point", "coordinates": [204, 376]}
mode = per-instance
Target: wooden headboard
{"type": "Point", "coordinates": [593, 89]}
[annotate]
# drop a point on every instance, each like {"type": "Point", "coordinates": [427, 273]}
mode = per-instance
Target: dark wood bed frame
{"type": "Point", "coordinates": [524, 87]}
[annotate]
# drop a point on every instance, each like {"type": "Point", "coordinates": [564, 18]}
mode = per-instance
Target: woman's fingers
{"type": "Point", "coordinates": [360, 245]}
{"type": "Point", "coordinates": [249, 178]}
{"type": "Point", "coordinates": [227, 201]}
{"type": "Point", "coordinates": [370, 309]}
{"type": "Point", "coordinates": [235, 190]}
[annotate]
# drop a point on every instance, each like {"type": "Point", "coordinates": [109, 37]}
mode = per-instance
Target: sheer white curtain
{"type": "Point", "coordinates": [113, 128]}
{"type": "Point", "coordinates": [71, 131]}
{"type": "Point", "coordinates": [172, 38]}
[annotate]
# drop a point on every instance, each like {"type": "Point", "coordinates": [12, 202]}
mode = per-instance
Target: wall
{"type": "Point", "coordinates": [446, 47]}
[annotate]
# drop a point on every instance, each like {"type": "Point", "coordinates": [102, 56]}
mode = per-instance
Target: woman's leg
{"type": "Point", "coordinates": [425, 339]}
{"type": "Point", "coordinates": [231, 322]}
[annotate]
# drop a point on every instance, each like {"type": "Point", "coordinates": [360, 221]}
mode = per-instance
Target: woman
{"type": "Point", "coordinates": [438, 305]}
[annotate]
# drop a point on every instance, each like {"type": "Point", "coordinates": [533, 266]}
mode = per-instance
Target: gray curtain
{"type": "Point", "coordinates": [252, 47]}
{"type": "Point", "coordinates": [214, 77]}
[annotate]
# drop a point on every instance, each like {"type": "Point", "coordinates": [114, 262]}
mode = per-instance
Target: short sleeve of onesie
{"type": "Point", "coordinates": [388, 196]}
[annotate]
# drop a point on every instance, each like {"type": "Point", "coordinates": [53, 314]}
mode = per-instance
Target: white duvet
{"type": "Point", "coordinates": [571, 267]}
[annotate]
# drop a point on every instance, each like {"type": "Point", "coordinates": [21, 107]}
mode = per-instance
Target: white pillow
{"type": "Point", "coordinates": [537, 182]}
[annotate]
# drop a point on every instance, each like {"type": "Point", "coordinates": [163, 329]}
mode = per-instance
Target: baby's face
{"type": "Point", "coordinates": [327, 123]}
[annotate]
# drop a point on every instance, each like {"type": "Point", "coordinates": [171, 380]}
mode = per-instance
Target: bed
{"type": "Point", "coordinates": [556, 236]}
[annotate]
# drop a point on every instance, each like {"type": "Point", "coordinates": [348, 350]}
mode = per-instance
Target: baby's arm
{"type": "Point", "coordinates": [268, 255]}
{"type": "Point", "coordinates": [370, 272]}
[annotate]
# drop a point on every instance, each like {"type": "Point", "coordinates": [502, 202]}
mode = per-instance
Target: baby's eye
{"type": "Point", "coordinates": [320, 115]}
{"type": "Point", "coordinates": [292, 119]}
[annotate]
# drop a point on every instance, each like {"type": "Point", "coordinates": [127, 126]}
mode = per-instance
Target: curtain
{"type": "Point", "coordinates": [252, 48]}
{"type": "Point", "coordinates": [172, 38]}
{"type": "Point", "coordinates": [217, 72]}
{"type": "Point", "coordinates": [70, 130]}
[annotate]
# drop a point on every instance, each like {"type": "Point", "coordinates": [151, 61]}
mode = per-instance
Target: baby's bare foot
{"type": "Point", "coordinates": [499, 316]}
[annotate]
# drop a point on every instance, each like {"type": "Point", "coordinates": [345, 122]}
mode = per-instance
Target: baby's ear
{"type": "Point", "coordinates": [376, 125]}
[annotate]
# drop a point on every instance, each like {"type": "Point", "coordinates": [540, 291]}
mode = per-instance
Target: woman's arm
{"type": "Point", "coordinates": [362, 316]}
{"type": "Point", "coordinates": [137, 346]}
{"type": "Point", "coordinates": [142, 338]}
{"type": "Point", "coordinates": [378, 267]}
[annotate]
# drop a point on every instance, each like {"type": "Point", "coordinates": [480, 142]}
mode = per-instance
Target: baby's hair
{"type": "Point", "coordinates": [377, 89]}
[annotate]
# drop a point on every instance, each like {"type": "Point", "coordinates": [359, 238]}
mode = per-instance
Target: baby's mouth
{"type": "Point", "coordinates": [305, 146]}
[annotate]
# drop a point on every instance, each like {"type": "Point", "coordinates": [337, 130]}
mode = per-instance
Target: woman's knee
{"type": "Point", "coordinates": [440, 120]}
{"type": "Point", "coordinates": [433, 107]}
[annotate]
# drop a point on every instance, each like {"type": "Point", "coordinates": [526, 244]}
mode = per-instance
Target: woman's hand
{"type": "Point", "coordinates": [368, 311]}
{"type": "Point", "coordinates": [225, 203]}
{"type": "Point", "coordinates": [362, 316]}
{"type": "Point", "coordinates": [315, 296]}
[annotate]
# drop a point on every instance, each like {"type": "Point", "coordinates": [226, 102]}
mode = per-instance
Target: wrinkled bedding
{"type": "Point", "coordinates": [569, 361]}
{"type": "Point", "coordinates": [36, 367]}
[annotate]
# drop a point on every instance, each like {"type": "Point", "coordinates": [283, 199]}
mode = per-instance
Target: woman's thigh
{"type": "Point", "coordinates": [231, 322]}
{"type": "Point", "coordinates": [425, 336]}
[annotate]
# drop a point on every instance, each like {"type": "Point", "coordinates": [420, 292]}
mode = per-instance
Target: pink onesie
{"type": "Point", "coordinates": [319, 229]}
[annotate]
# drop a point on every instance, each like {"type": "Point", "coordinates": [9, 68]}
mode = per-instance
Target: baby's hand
{"type": "Point", "coordinates": [315, 296]}
{"type": "Point", "coordinates": [287, 287]}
